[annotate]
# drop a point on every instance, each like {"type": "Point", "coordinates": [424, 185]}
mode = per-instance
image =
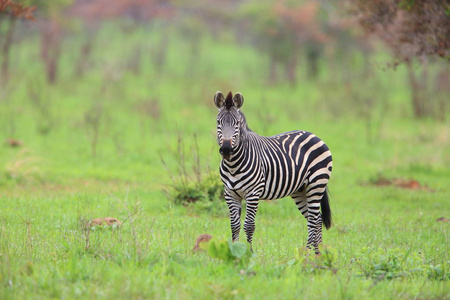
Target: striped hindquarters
{"type": "Point", "coordinates": [291, 160]}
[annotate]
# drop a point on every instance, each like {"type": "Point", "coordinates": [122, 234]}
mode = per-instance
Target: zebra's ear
{"type": "Point", "coordinates": [219, 100]}
{"type": "Point", "coordinates": [238, 100]}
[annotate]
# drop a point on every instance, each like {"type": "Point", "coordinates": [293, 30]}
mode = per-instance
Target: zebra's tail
{"type": "Point", "coordinates": [326, 211]}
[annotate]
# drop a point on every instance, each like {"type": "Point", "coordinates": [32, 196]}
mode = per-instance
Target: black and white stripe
{"type": "Point", "coordinates": [254, 167]}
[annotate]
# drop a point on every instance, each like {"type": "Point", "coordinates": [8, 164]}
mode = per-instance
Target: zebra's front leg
{"type": "Point", "coordinates": [250, 215]}
{"type": "Point", "coordinates": [235, 207]}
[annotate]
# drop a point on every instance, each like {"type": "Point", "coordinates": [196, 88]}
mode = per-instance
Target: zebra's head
{"type": "Point", "coordinates": [229, 122]}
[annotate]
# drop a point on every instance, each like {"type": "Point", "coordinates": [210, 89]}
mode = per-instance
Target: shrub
{"type": "Point", "coordinates": [194, 185]}
{"type": "Point", "coordinates": [208, 190]}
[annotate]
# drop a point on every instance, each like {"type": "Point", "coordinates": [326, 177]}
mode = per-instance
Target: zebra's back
{"type": "Point", "coordinates": [290, 160]}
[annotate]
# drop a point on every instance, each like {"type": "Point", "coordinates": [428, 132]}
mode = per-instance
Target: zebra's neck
{"type": "Point", "coordinates": [243, 151]}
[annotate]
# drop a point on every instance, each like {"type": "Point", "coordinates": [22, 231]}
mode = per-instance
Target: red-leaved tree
{"type": "Point", "coordinates": [414, 31]}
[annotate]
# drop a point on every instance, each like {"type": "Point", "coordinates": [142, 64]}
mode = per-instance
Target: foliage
{"type": "Point", "coordinates": [206, 193]}
{"type": "Point", "coordinates": [237, 253]}
{"type": "Point", "coordinates": [312, 263]}
{"type": "Point", "coordinates": [409, 28]}
{"type": "Point", "coordinates": [45, 253]}
{"type": "Point", "coordinates": [281, 29]}
{"type": "Point", "coordinates": [414, 31]}
{"type": "Point", "coordinates": [193, 182]}
{"type": "Point", "coordinates": [140, 10]}
{"type": "Point", "coordinates": [17, 9]}
{"type": "Point", "coordinates": [379, 264]}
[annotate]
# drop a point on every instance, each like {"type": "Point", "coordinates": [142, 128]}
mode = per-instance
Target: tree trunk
{"type": "Point", "coordinates": [7, 47]}
{"type": "Point", "coordinates": [51, 49]}
{"type": "Point", "coordinates": [291, 69]}
{"type": "Point", "coordinates": [417, 99]}
{"type": "Point", "coordinates": [161, 54]}
{"type": "Point", "coordinates": [273, 69]}
{"type": "Point", "coordinates": [443, 90]}
{"type": "Point", "coordinates": [135, 61]}
{"type": "Point", "coordinates": [85, 52]}
{"type": "Point", "coordinates": [312, 60]}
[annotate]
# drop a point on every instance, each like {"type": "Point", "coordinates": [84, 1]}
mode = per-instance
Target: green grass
{"type": "Point", "coordinates": [386, 242]}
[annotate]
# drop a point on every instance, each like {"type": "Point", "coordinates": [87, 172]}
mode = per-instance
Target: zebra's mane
{"type": "Point", "coordinates": [229, 101]}
{"type": "Point", "coordinates": [244, 121]}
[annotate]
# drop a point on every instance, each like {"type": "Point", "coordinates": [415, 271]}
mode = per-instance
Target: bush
{"type": "Point", "coordinates": [209, 189]}
{"type": "Point", "coordinates": [191, 187]}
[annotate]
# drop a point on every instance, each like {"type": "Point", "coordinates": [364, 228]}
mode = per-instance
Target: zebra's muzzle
{"type": "Point", "coordinates": [226, 150]}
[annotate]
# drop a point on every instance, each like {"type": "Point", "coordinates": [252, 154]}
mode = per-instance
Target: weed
{"type": "Point", "coordinates": [312, 263]}
{"type": "Point", "coordinates": [195, 184]}
{"type": "Point", "coordinates": [236, 253]}
{"type": "Point", "coordinates": [379, 264]}
{"type": "Point", "coordinates": [203, 192]}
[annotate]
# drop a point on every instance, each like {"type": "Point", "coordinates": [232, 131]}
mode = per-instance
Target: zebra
{"type": "Point", "coordinates": [255, 167]}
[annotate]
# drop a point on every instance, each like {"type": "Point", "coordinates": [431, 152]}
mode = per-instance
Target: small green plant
{"type": "Point", "coordinates": [380, 264]}
{"type": "Point", "coordinates": [237, 253]}
{"type": "Point", "coordinates": [313, 263]}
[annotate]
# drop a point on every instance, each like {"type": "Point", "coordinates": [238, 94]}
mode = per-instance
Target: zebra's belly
{"type": "Point", "coordinates": [268, 185]}
{"type": "Point", "coordinates": [270, 194]}
{"type": "Point", "coordinates": [266, 190]}
{"type": "Point", "coordinates": [280, 182]}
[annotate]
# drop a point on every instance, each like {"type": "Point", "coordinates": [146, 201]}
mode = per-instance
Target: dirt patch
{"type": "Point", "coordinates": [14, 143]}
{"type": "Point", "coordinates": [204, 238]}
{"type": "Point", "coordinates": [108, 221]}
{"type": "Point", "coordinates": [442, 219]}
{"type": "Point", "coordinates": [410, 184]}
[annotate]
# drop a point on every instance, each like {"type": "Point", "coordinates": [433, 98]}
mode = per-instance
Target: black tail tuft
{"type": "Point", "coordinates": [326, 211]}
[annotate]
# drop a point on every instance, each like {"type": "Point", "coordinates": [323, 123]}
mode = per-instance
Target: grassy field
{"type": "Point", "coordinates": [93, 147]}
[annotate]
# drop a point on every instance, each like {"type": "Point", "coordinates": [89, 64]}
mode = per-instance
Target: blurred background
{"type": "Point", "coordinates": [107, 89]}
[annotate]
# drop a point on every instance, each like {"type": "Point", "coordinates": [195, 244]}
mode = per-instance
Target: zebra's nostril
{"type": "Point", "coordinates": [225, 150]}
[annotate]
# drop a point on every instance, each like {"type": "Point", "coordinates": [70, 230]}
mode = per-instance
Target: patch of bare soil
{"type": "Point", "coordinates": [203, 238]}
{"type": "Point", "coordinates": [442, 219]}
{"type": "Point", "coordinates": [14, 143]}
{"type": "Point", "coordinates": [410, 184]}
{"type": "Point", "coordinates": [104, 221]}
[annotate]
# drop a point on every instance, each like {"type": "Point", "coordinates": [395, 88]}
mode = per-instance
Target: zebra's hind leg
{"type": "Point", "coordinates": [300, 200]}
{"type": "Point", "coordinates": [314, 195]}
{"type": "Point", "coordinates": [235, 207]}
